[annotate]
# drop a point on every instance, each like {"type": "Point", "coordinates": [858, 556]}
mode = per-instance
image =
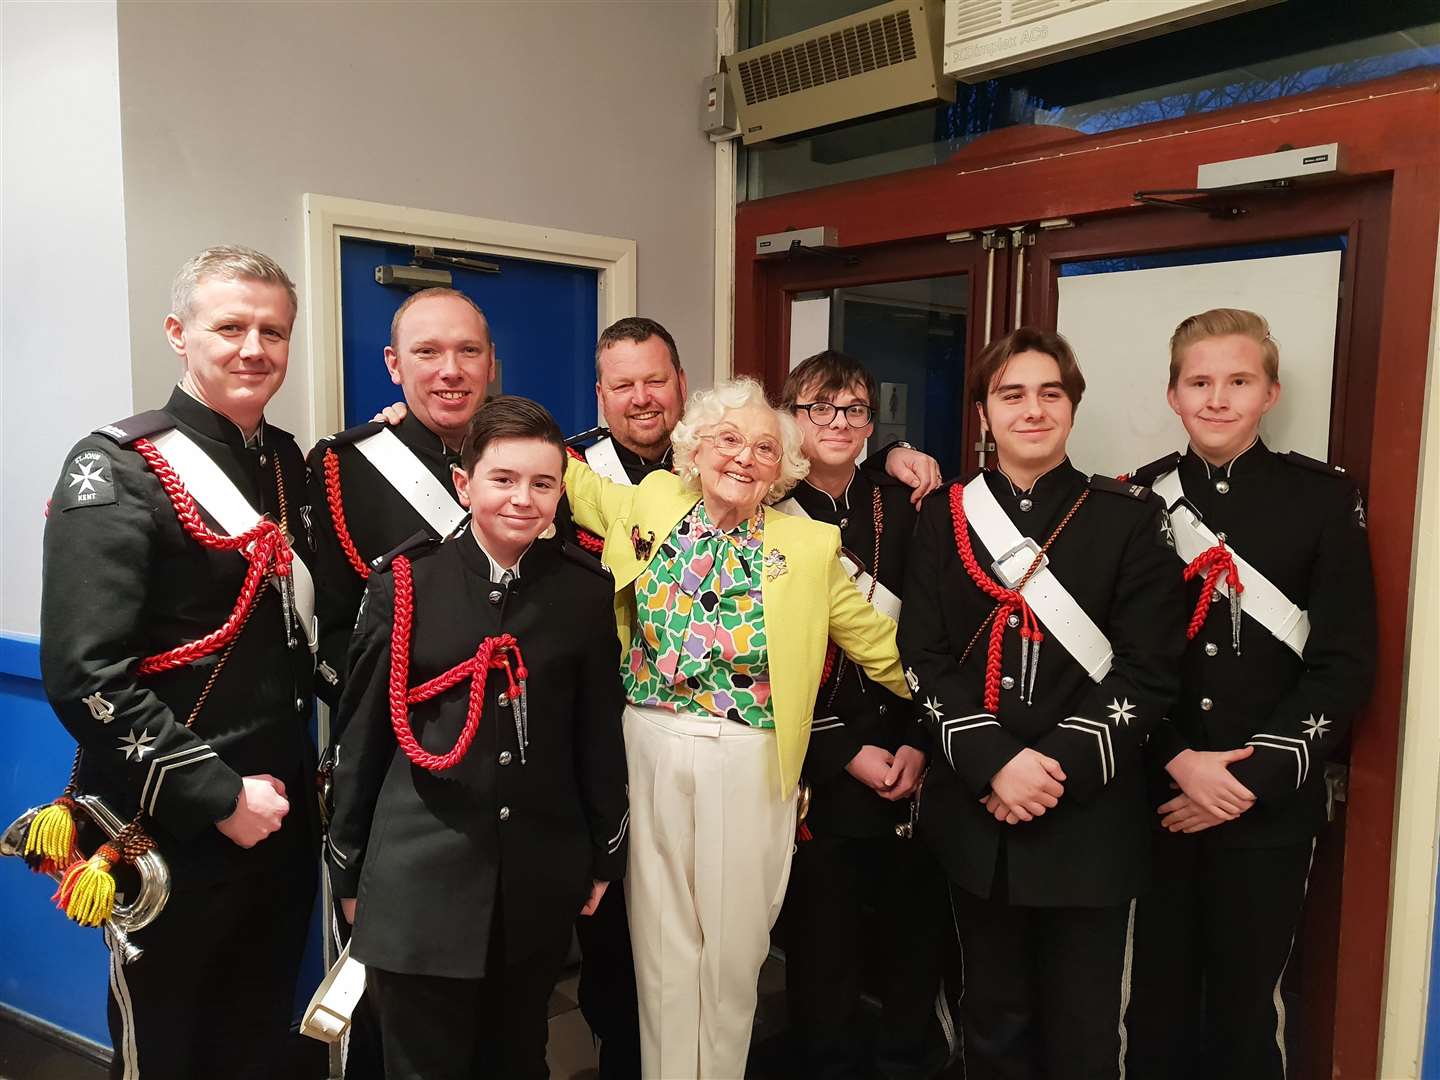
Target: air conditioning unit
{"type": "Point", "coordinates": [878, 60]}
{"type": "Point", "coordinates": [985, 38]}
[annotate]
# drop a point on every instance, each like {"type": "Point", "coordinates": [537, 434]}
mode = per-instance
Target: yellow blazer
{"type": "Point", "coordinates": [807, 596]}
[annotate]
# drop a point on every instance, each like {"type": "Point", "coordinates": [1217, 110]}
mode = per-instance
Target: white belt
{"type": "Point", "coordinates": [1263, 601]}
{"type": "Point", "coordinates": [327, 1017]}
{"type": "Point", "coordinates": [603, 458]}
{"type": "Point", "coordinates": [416, 484]}
{"type": "Point", "coordinates": [217, 493]}
{"type": "Point", "coordinates": [882, 599]}
{"type": "Point", "coordinates": [1062, 616]}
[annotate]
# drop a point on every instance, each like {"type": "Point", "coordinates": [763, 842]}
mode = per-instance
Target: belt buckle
{"type": "Point", "coordinates": [1010, 568]}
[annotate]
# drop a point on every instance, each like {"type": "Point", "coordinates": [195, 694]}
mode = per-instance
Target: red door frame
{"type": "Point", "coordinates": [1386, 128]}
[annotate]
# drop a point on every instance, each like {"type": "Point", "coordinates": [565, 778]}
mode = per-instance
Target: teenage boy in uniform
{"type": "Point", "coordinates": [1043, 628]}
{"type": "Point", "coordinates": [480, 788]}
{"type": "Point", "coordinates": [1280, 660]}
{"type": "Point", "coordinates": [862, 769]}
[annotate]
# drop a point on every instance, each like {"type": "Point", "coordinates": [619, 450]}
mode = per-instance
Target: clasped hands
{"type": "Point", "coordinates": [891, 776]}
{"type": "Point", "coordinates": [1025, 787]}
{"type": "Point", "coordinates": [1209, 793]}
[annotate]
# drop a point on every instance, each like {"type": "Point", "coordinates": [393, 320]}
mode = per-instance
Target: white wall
{"type": "Point", "coordinates": [576, 115]}
{"type": "Point", "coordinates": [64, 329]}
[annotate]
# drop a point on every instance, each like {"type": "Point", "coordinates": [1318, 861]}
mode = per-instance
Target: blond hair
{"type": "Point", "coordinates": [706, 408]}
{"type": "Point", "coordinates": [228, 262]}
{"type": "Point", "coordinates": [432, 294]}
{"type": "Point", "coordinates": [1224, 322]}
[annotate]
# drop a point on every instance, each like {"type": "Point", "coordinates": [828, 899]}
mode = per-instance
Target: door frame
{"type": "Point", "coordinates": [329, 218]}
{"type": "Point", "coordinates": [1386, 127]}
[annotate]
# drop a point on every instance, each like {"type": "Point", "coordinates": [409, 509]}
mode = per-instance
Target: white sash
{"type": "Point", "coordinates": [217, 493]}
{"type": "Point", "coordinates": [1063, 617]}
{"type": "Point", "coordinates": [606, 462]}
{"type": "Point", "coordinates": [327, 1017]}
{"type": "Point", "coordinates": [1262, 601]}
{"type": "Point", "coordinates": [416, 484]}
{"type": "Point", "coordinates": [884, 601]}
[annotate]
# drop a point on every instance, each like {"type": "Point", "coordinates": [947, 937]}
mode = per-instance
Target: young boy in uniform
{"type": "Point", "coordinates": [1280, 659]}
{"type": "Point", "coordinates": [862, 770]}
{"type": "Point", "coordinates": [480, 785]}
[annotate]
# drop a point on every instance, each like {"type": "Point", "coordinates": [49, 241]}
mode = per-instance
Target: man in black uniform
{"type": "Point", "coordinates": [501, 813]}
{"type": "Point", "coordinates": [190, 718]}
{"type": "Point", "coordinates": [1281, 657]}
{"type": "Point", "coordinates": [1042, 630]}
{"type": "Point", "coordinates": [863, 765]}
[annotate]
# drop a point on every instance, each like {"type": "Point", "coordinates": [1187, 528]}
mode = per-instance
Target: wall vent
{"type": "Point", "coordinates": [884, 58]}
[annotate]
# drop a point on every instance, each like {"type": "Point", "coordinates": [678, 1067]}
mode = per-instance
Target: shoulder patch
{"type": "Point", "coordinates": [1120, 487]}
{"type": "Point", "coordinates": [1313, 464]}
{"type": "Point", "coordinates": [1148, 474]}
{"type": "Point", "coordinates": [595, 434]}
{"type": "Point", "coordinates": [420, 543]}
{"type": "Point", "coordinates": [87, 481]}
{"type": "Point", "coordinates": [576, 554]}
{"type": "Point", "coordinates": [127, 431]}
{"type": "Point", "coordinates": [352, 434]}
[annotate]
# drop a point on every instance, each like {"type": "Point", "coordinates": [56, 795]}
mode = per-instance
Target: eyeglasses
{"type": "Point", "coordinates": [822, 413]}
{"type": "Point", "coordinates": [729, 444]}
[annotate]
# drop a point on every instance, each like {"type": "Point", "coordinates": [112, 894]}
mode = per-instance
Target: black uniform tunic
{"type": "Point", "coordinates": [379, 519]}
{"type": "Point", "coordinates": [123, 581]}
{"type": "Point", "coordinates": [636, 468]}
{"type": "Point", "coordinates": [1214, 935]}
{"type": "Point", "coordinates": [430, 855]}
{"type": "Point", "coordinates": [1113, 558]}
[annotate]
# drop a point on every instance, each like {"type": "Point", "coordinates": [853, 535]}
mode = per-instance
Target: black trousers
{"type": "Point", "coordinates": [436, 1028]}
{"type": "Point", "coordinates": [1044, 989]}
{"type": "Point", "coordinates": [213, 994]}
{"type": "Point", "coordinates": [833, 880]}
{"type": "Point", "coordinates": [607, 985]}
{"type": "Point", "coordinates": [1212, 938]}
{"type": "Point", "coordinates": [364, 1056]}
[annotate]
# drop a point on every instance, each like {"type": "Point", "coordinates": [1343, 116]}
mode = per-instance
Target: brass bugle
{"type": "Point", "coordinates": [136, 912]}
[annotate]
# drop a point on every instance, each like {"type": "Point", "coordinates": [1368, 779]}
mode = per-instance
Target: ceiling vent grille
{"type": "Point", "coordinates": [884, 58]}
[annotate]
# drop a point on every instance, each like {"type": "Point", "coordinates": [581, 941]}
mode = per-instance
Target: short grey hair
{"type": "Point", "coordinates": [706, 408]}
{"type": "Point", "coordinates": [229, 262]}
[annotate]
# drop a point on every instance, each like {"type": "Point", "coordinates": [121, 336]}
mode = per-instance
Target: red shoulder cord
{"type": "Point", "coordinates": [494, 652]}
{"type": "Point", "coordinates": [337, 514]}
{"type": "Point", "coordinates": [1212, 562]}
{"type": "Point", "coordinates": [584, 537]}
{"type": "Point", "coordinates": [1007, 600]}
{"type": "Point", "coordinates": [264, 546]}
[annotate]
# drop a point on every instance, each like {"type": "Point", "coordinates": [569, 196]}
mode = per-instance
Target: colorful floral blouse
{"type": "Point", "coordinates": [700, 642]}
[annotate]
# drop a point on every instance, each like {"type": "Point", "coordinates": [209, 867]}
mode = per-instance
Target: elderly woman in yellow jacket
{"type": "Point", "coordinates": [724, 606]}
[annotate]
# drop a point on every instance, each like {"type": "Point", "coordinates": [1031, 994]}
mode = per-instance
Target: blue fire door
{"type": "Point", "coordinates": [543, 317]}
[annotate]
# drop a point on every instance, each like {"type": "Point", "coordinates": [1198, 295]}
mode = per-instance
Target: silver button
{"type": "Point", "coordinates": [1206, 704]}
{"type": "Point", "coordinates": [496, 596]}
{"type": "Point", "coordinates": [1211, 648]}
{"type": "Point", "coordinates": [1026, 504]}
{"type": "Point", "coordinates": [505, 757]}
{"type": "Point", "coordinates": [299, 704]}
{"type": "Point", "coordinates": [503, 699]}
{"type": "Point", "coordinates": [504, 813]}
{"type": "Point", "coordinates": [1013, 621]}
{"type": "Point", "coordinates": [263, 459]}
{"type": "Point", "coordinates": [1222, 486]}
{"type": "Point", "coordinates": [1008, 683]}
{"type": "Point", "coordinates": [1221, 537]}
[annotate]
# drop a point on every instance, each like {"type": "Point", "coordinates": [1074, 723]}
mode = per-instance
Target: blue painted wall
{"type": "Point", "coordinates": [1430, 1058]}
{"type": "Point", "coordinates": [49, 967]}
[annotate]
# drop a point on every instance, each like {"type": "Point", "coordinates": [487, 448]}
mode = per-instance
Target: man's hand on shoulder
{"type": "Point", "coordinates": [258, 813]}
{"type": "Point", "coordinates": [390, 414]}
{"type": "Point", "coordinates": [916, 470]}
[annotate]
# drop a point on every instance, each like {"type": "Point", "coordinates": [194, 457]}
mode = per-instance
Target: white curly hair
{"type": "Point", "coordinates": [706, 408]}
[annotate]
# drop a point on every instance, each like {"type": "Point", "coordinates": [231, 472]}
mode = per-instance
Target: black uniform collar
{"type": "Point", "coordinates": [414, 434]}
{"type": "Point", "coordinates": [1042, 501]}
{"type": "Point", "coordinates": [481, 561]}
{"type": "Point", "coordinates": [1254, 459]}
{"type": "Point", "coordinates": [636, 467]}
{"type": "Point", "coordinates": [822, 506]}
{"type": "Point", "coordinates": [194, 414]}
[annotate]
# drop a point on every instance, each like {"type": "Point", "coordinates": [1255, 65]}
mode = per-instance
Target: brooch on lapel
{"type": "Point", "coordinates": [775, 565]}
{"type": "Point", "coordinates": [643, 547]}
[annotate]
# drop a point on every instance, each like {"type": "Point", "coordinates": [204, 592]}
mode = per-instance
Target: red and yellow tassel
{"type": "Point", "coordinates": [50, 840]}
{"type": "Point", "coordinates": [87, 891]}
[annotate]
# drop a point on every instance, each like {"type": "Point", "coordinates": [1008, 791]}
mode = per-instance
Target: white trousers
{"type": "Point", "coordinates": [710, 847]}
